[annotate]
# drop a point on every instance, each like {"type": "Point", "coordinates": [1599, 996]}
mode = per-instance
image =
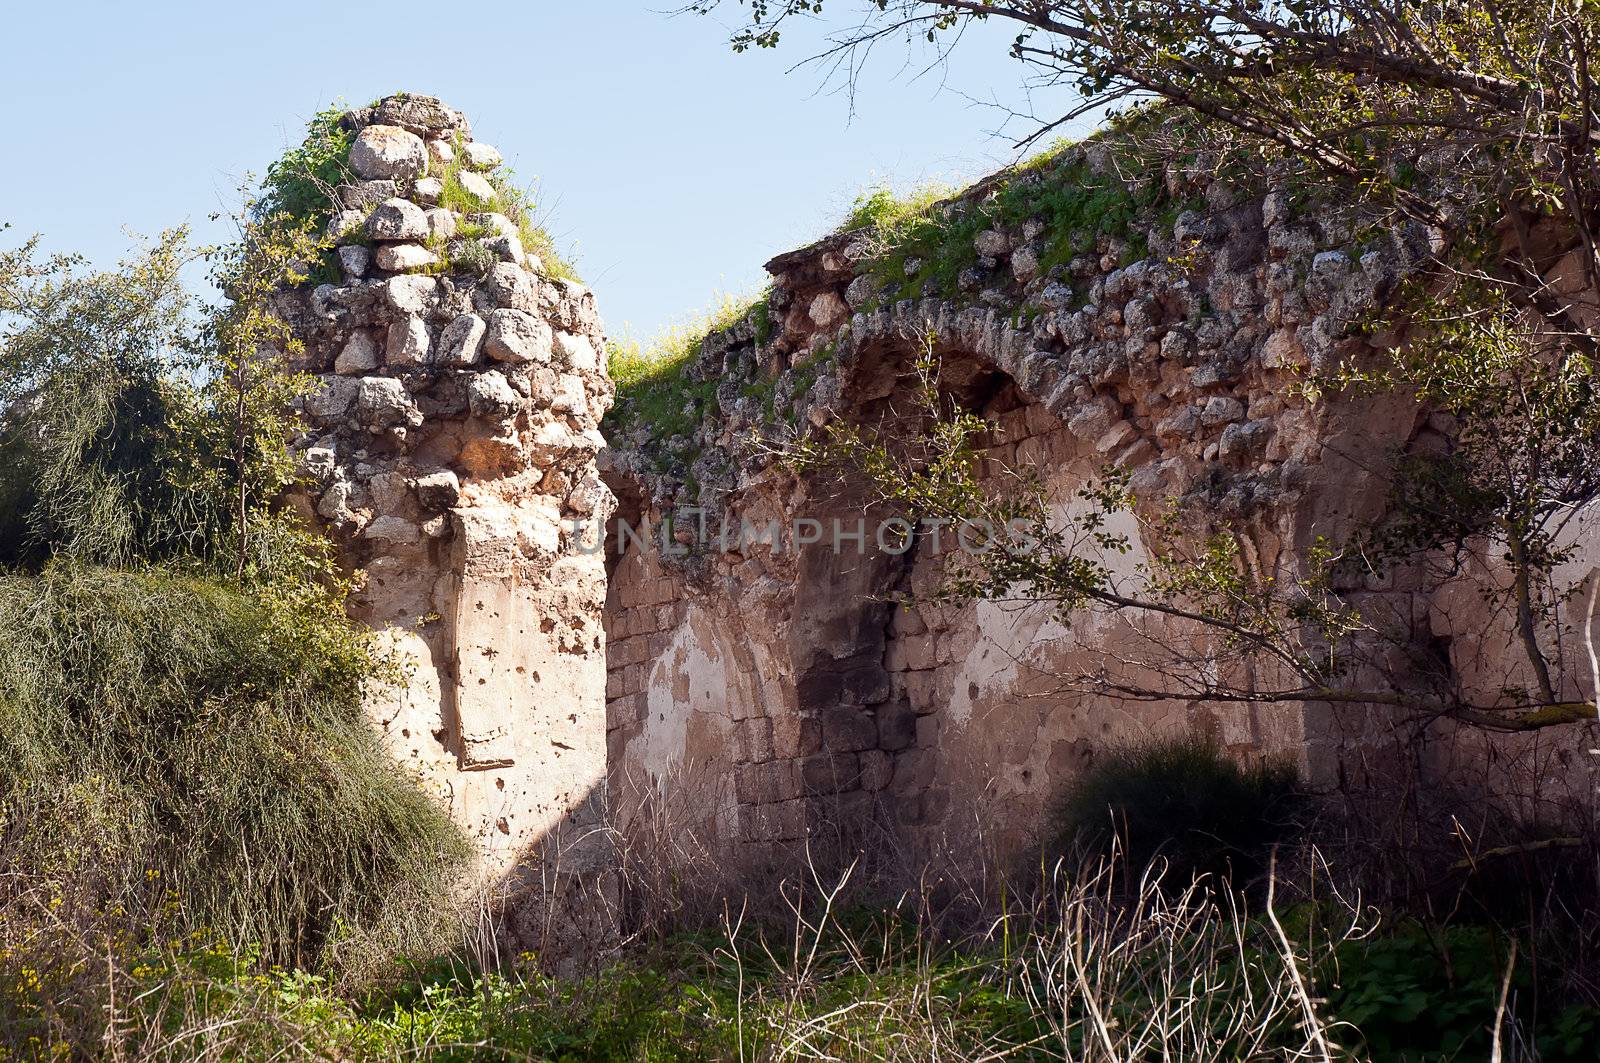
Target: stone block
{"type": "Point", "coordinates": [846, 729]}
{"type": "Point", "coordinates": [385, 151]}
{"type": "Point", "coordinates": [794, 735]}
{"type": "Point", "coordinates": [767, 782]}
{"type": "Point", "coordinates": [831, 773]}
{"type": "Point", "coordinates": [897, 725]}
{"type": "Point", "coordinates": [753, 740]}
{"type": "Point", "coordinates": [877, 770]}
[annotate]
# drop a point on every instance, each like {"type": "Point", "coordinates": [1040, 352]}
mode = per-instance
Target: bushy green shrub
{"type": "Point", "coordinates": [1415, 993]}
{"type": "Point", "coordinates": [299, 184]}
{"type": "Point", "coordinates": [138, 426]}
{"type": "Point", "coordinates": [153, 723]}
{"type": "Point", "coordinates": [179, 685]}
{"type": "Point", "coordinates": [1183, 801]}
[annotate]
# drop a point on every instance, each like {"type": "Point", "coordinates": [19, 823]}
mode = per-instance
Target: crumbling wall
{"type": "Point", "coordinates": [451, 450]}
{"type": "Point", "coordinates": [1175, 352]}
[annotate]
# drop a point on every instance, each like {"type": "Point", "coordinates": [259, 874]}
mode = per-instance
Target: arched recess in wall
{"type": "Point", "coordinates": [870, 674]}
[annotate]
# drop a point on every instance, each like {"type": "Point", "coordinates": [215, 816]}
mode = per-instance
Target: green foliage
{"type": "Point", "coordinates": [1416, 993]}
{"type": "Point", "coordinates": [1183, 801]}
{"type": "Point", "coordinates": [1522, 456]}
{"type": "Point", "coordinates": [510, 200]}
{"type": "Point", "coordinates": [922, 242]}
{"type": "Point", "coordinates": [88, 409]}
{"type": "Point", "coordinates": [137, 430]}
{"type": "Point", "coordinates": [654, 385]}
{"type": "Point", "coordinates": [152, 723]}
{"type": "Point", "coordinates": [879, 208]}
{"type": "Point", "coordinates": [299, 185]}
{"type": "Point", "coordinates": [1197, 981]}
{"type": "Point", "coordinates": [197, 714]}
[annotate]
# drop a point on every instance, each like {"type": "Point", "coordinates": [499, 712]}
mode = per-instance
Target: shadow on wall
{"type": "Point", "coordinates": [806, 699]}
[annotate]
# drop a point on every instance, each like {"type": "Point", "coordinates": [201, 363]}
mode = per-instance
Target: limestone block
{"type": "Point", "coordinates": [332, 400]}
{"type": "Point", "coordinates": [411, 295]}
{"type": "Point", "coordinates": [384, 151]}
{"type": "Point", "coordinates": [513, 288]}
{"type": "Point", "coordinates": [569, 396]}
{"type": "Point", "coordinates": [391, 530]}
{"type": "Point", "coordinates": [362, 196]}
{"type": "Point", "coordinates": [517, 336]}
{"type": "Point", "coordinates": [346, 225]}
{"type": "Point", "coordinates": [477, 187]}
{"type": "Point", "coordinates": [406, 346]}
{"type": "Point", "coordinates": [402, 258]}
{"type": "Point", "coordinates": [397, 219]}
{"type": "Point", "coordinates": [490, 395]}
{"type": "Point", "coordinates": [578, 352]}
{"type": "Point", "coordinates": [992, 243]}
{"type": "Point", "coordinates": [441, 224]}
{"type": "Point", "coordinates": [461, 342]}
{"type": "Point", "coordinates": [355, 260]}
{"type": "Point", "coordinates": [358, 356]}
{"type": "Point", "coordinates": [383, 400]}
{"type": "Point", "coordinates": [827, 310]}
{"type": "Point", "coordinates": [1024, 264]}
{"type": "Point", "coordinates": [507, 248]}
{"type": "Point", "coordinates": [480, 156]}
{"type": "Point", "coordinates": [438, 490]}
{"type": "Point", "coordinates": [428, 190]}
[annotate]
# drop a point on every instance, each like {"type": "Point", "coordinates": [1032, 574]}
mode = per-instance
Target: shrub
{"type": "Point", "coordinates": [299, 185]}
{"type": "Point", "coordinates": [881, 209]}
{"type": "Point", "coordinates": [1184, 802]}
{"type": "Point", "coordinates": [154, 725]}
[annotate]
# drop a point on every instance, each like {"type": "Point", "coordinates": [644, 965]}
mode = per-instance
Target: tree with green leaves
{"type": "Point", "coordinates": [142, 426]}
{"type": "Point", "coordinates": [181, 692]}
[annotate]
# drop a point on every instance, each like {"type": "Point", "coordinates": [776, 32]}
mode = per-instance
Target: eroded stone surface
{"type": "Point", "coordinates": [775, 683]}
{"type": "Point", "coordinates": [450, 484]}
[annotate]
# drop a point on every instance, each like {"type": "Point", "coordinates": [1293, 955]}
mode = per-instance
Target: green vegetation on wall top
{"type": "Point", "coordinates": [299, 185]}
{"type": "Point", "coordinates": [654, 386]}
{"type": "Point", "coordinates": [921, 242]}
{"type": "Point", "coordinates": [299, 188]}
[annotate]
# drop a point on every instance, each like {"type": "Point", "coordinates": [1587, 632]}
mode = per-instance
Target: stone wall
{"type": "Point", "coordinates": [739, 704]}
{"type": "Point", "coordinates": [780, 685]}
{"type": "Point", "coordinates": [451, 447]}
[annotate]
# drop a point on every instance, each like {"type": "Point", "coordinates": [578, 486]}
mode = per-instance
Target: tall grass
{"type": "Point", "coordinates": [654, 387]}
{"type": "Point", "coordinates": [161, 729]}
{"type": "Point", "coordinates": [1093, 965]}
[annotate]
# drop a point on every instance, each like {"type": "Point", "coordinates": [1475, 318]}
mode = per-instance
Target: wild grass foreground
{"type": "Point", "coordinates": [1095, 966]}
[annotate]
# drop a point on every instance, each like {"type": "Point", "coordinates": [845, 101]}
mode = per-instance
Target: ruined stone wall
{"type": "Point", "coordinates": [782, 687]}
{"type": "Point", "coordinates": [763, 697]}
{"type": "Point", "coordinates": [451, 445]}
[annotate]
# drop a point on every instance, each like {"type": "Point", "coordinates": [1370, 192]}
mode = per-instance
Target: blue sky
{"type": "Point", "coordinates": [672, 166]}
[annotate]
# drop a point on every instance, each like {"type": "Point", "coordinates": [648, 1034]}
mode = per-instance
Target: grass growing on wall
{"type": "Point", "coordinates": [515, 202]}
{"type": "Point", "coordinates": [922, 241]}
{"type": "Point", "coordinates": [654, 388]}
